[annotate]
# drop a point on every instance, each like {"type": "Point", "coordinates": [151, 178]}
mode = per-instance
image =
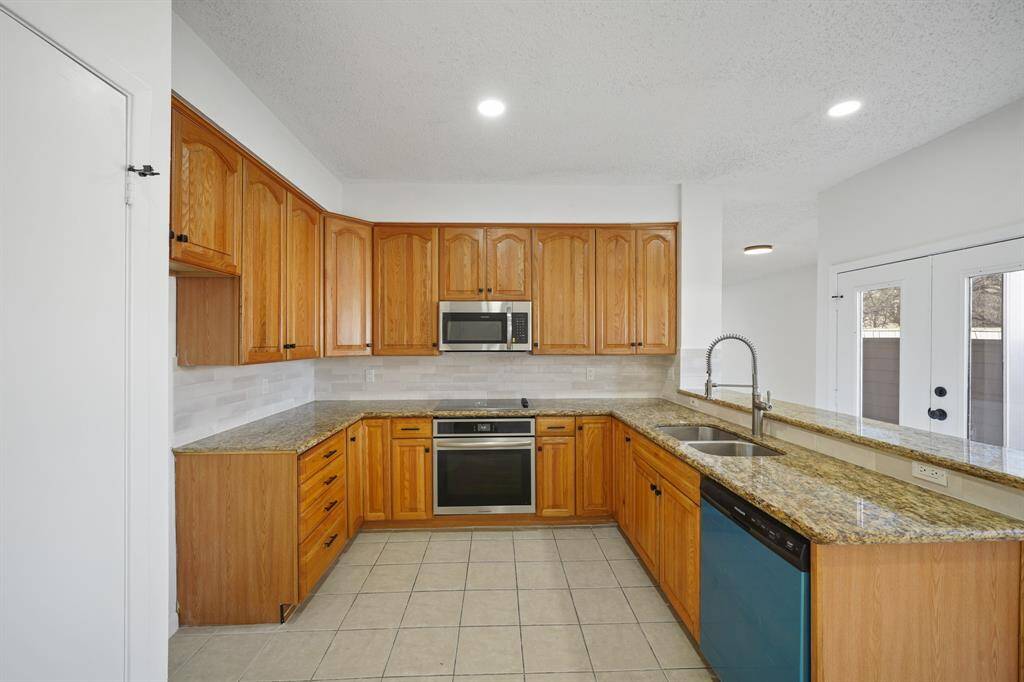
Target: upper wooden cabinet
{"type": "Point", "coordinates": [206, 196]}
{"type": "Point", "coordinates": [656, 291]}
{"type": "Point", "coordinates": [264, 221]}
{"type": "Point", "coordinates": [463, 260]}
{"type": "Point", "coordinates": [405, 290]}
{"type": "Point", "coordinates": [485, 264]}
{"type": "Point", "coordinates": [303, 268]}
{"type": "Point", "coordinates": [636, 291]}
{"type": "Point", "coordinates": [563, 290]}
{"type": "Point", "coordinates": [616, 292]}
{"type": "Point", "coordinates": [508, 264]}
{"type": "Point", "coordinates": [348, 259]}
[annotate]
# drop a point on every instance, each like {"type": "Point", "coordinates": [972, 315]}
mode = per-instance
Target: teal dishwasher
{"type": "Point", "coordinates": [754, 592]}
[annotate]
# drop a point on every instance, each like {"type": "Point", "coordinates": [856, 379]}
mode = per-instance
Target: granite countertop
{"type": "Point", "coordinates": [826, 499]}
{"type": "Point", "coordinates": [990, 462]}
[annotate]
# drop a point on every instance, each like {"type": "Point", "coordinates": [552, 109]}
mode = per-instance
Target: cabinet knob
{"type": "Point", "coordinates": [183, 238]}
{"type": "Point", "coordinates": [489, 290]}
{"type": "Point", "coordinates": [657, 492]}
{"type": "Point", "coordinates": [369, 345]}
{"type": "Point", "coordinates": [628, 439]}
{"type": "Point", "coordinates": [479, 291]}
{"type": "Point", "coordinates": [639, 343]}
{"type": "Point", "coordinates": [539, 449]}
{"type": "Point", "coordinates": [579, 428]}
{"type": "Point", "coordinates": [426, 449]}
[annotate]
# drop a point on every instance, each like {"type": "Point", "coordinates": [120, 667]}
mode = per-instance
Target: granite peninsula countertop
{"type": "Point", "coordinates": [991, 462]}
{"type": "Point", "coordinates": [828, 500]}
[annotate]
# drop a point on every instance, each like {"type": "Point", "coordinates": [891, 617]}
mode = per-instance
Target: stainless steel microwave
{"type": "Point", "coordinates": [485, 326]}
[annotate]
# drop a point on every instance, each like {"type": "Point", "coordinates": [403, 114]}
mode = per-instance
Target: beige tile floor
{"type": "Point", "coordinates": [493, 605]}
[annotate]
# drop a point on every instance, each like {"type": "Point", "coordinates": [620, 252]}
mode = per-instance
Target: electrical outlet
{"type": "Point", "coordinates": [590, 373]}
{"type": "Point", "coordinates": [371, 375]}
{"type": "Point", "coordinates": [931, 474]}
{"type": "Point", "coordinates": [265, 386]}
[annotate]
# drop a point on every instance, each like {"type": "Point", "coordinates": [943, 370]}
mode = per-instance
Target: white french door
{"type": "Point", "coordinates": [936, 343]}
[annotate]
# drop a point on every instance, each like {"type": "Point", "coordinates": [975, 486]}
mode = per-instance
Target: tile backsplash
{"type": "Point", "coordinates": [491, 375]}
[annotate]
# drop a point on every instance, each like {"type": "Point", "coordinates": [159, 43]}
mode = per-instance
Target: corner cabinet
{"type": "Point", "coordinates": [563, 291]}
{"type": "Point", "coordinates": [405, 290]}
{"type": "Point", "coordinates": [348, 281]}
{"type": "Point", "coordinates": [206, 197]}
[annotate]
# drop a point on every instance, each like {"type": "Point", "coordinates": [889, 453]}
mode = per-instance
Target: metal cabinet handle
{"type": "Point", "coordinates": [657, 492]}
{"type": "Point", "coordinates": [331, 480]}
{"type": "Point", "coordinates": [556, 428]}
{"type": "Point", "coordinates": [628, 439]}
{"type": "Point", "coordinates": [330, 453]}
{"type": "Point", "coordinates": [331, 540]}
{"type": "Point", "coordinates": [332, 505]}
{"type": "Point", "coordinates": [653, 487]}
{"type": "Point", "coordinates": [409, 428]}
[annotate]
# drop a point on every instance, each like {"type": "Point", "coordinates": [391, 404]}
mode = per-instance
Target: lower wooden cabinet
{"type": "Point", "coordinates": [556, 476]}
{"type": "Point", "coordinates": [411, 479]}
{"type": "Point", "coordinates": [679, 549]}
{"type": "Point", "coordinates": [594, 466]}
{"type": "Point", "coordinates": [376, 453]}
{"type": "Point", "coordinates": [356, 476]}
{"type": "Point", "coordinates": [644, 513]}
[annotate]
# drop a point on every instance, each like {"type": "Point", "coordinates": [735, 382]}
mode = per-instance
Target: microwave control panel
{"type": "Point", "coordinates": [520, 327]}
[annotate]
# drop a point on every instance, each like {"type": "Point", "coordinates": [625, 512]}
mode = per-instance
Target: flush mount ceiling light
{"type": "Point", "coordinates": [491, 108]}
{"type": "Point", "coordinates": [850, 106]}
{"type": "Point", "coordinates": [755, 249]}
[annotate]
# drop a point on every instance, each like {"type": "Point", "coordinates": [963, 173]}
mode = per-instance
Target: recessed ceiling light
{"type": "Point", "coordinates": [755, 249]}
{"type": "Point", "coordinates": [850, 106]}
{"type": "Point", "coordinates": [491, 108]}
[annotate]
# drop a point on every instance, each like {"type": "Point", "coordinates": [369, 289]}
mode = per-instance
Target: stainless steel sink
{"type": "Point", "coordinates": [733, 449]}
{"type": "Point", "coordinates": [688, 433]}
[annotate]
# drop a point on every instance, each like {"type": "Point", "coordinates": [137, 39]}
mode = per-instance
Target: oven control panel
{"type": "Point", "coordinates": [483, 427]}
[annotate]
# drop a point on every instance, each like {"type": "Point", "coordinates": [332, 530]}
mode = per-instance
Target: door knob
{"type": "Point", "coordinates": [938, 415]}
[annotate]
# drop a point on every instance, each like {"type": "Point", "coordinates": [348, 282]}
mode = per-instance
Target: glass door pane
{"type": "Point", "coordinates": [880, 354]}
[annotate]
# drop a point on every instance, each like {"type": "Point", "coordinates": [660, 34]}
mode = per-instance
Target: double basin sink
{"type": "Point", "coordinates": [713, 441]}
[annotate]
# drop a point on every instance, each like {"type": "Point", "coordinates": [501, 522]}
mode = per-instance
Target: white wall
{"type": "Point", "coordinates": [201, 78]}
{"type": "Point", "coordinates": [511, 203]}
{"type": "Point", "coordinates": [777, 313]}
{"type": "Point", "coordinates": [133, 39]}
{"type": "Point", "coordinates": [958, 189]}
{"type": "Point", "coordinates": [700, 279]}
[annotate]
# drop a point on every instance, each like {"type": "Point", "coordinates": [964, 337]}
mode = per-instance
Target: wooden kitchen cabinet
{"type": "Point", "coordinates": [563, 290]}
{"type": "Point", "coordinates": [405, 290]}
{"type": "Point", "coordinates": [411, 479]}
{"type": "Point", "coordinates": [679, 550]}
{"type": "Point", "coordinates": [376, 451]}
{"type": "Point", "coordinates": [616, 291]}
{"type": "Point", "coordinates": [356, 476]}
{"type": "Point", "coordinates": [644, 513]}
{"type": "Point", "coordinates": [621, 464]}
{"type": "Point", "coordinates": [463, 261]}
{"type": "Point", "coordinates": [556, 476]}
{"type": "Point", "coordinates": [348, 281]}
{"type": "Point", "coordinates": [206, 196]}
{"type": "Point", "coordinates": [509, 264]}
{"type": "Point", "coordinates": [303, 277]}
{"type": "Point", "coordinates": [656, 291]}
{"type": "Point", "coordinates": [594, 466]}
{"type": "Point", "coordinates": [264, 222]}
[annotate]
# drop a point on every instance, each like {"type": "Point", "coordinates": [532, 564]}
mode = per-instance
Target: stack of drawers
{"type": "Point", "coordinates": [323, 519]}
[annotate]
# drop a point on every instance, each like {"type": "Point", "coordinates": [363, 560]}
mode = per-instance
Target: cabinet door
{"type": "Point", "coordinates": [348, 255]}
{"type": "Point", "coordinates": [355, 476]}
{"type": "Point", "coordinates": [563, 287]}
{"type": "Point", "coordinates": [263, 235]}
{"type": "Point", "coordinates": [206, 196]}
{"type": "Point", "coordinates": [303, 275]}
{"type": "Point", "coordinates": [405, 290]}
{"type": "Point", "coordinates": [412, 494]}
{"type": "Point", "coordinates": [656, 291]}
{"type": "Point", "coordinates": [556, 476]}
{"type": "Point", "coordinates": [377, 459]}
{"type": "Point", "coordinates": [680, 554]}
{"type": "Point", "coordinates": [616, 292]}
{"type": "Point", "coordinates": [593, 466]}
{"type": "Point", "coordinates": [620, 451]}
{"type": "Point", "coordinates": [462, 264]}
{"type": "Point", "coordinates": [508, 263]}
{"type": "Point", "coordinates": [645, 513]}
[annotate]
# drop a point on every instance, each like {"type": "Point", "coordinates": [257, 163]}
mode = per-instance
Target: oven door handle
{"type": "Point", "coordinates": [478, 444]}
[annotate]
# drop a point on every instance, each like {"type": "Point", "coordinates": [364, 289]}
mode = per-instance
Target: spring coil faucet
{"type": "Point", "coordinates": [758, 406]}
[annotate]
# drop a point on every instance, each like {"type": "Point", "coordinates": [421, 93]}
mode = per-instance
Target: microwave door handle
{"type": "Point", "coordinates": [508, 328]}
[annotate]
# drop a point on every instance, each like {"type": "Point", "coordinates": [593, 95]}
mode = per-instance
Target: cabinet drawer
{"type": "Point", "coordinates": [320, 455]}
{"type": "Point", "coordinates": [318, 550]}
{"type": "Point", "coordinates": [669, 467]}
{"type": "Point", "coordinates": [313, 513]}
{"type": "Point", "coordinates": [411, 427]}
{"type": "Point", "coordinates": [556, 426]}
{"type": "Point", "coordinates": [330, 476]}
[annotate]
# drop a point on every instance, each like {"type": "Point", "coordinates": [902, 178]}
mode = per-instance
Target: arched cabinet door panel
{"type": "Point", "coordinates": [462, 264]}
{"type": "Point", "coordinates": [563, 290]}
{"type": "Point", "coordinates": [348, 259]}
{"type": "Point", "coordinates": [508, 264]}
{"type": "Point", "coordinates": [656, 291]}
{"type": "Point", "coordinates": [303, 263]}
{"type": "Point", "coordinates": [405, 290]}
{"type": "Point", "coordinates": [264, 223]}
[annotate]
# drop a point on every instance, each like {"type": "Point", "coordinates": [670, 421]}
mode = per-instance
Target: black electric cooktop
{"type": "Point", "coordinates": [484, 404]}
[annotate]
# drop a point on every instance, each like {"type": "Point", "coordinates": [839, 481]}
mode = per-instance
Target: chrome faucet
{"type": "Point", "coordinates": [758, 406]}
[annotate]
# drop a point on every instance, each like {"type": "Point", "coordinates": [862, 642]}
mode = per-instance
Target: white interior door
{"type": "Point", "coordinates": [883, 329]}
{"type": "Point", "coordinates": [977, 388]}
{"type": "Point", "coordinates": [64, 354]}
